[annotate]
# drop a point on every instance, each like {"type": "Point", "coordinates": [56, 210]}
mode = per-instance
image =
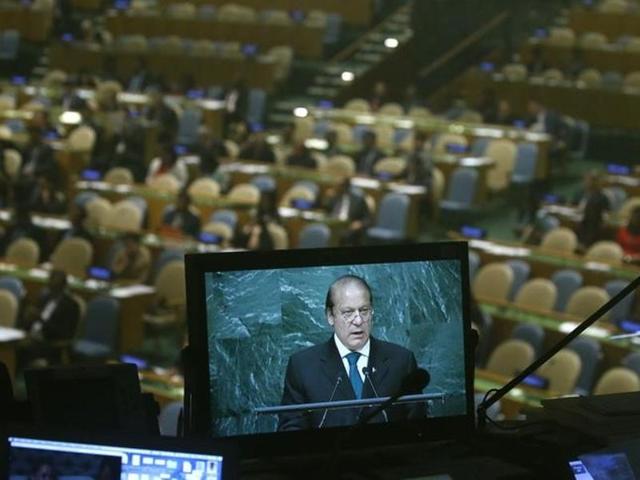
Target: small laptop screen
{"type": "Point", "coordinates": [30, 457]}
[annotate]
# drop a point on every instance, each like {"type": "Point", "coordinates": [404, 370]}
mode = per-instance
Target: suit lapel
{"type": "Point", "coordinates": [332, 367]}
{"type": "Point", "coordinates": [378, 368]}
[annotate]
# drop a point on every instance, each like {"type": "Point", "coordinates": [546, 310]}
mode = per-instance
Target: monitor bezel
{"type": "Point", "coordinates": [199, 415]}
{"type": "Point", "coordinates": [227, 449]}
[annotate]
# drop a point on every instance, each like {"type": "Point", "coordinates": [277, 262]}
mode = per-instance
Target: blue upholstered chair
{"type": "Point", "coordinates": [316, 235]}
{"type": "Point", "coordinates": [99, 339]}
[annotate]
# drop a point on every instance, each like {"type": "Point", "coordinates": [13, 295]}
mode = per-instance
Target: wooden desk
{"type": "Point", "coordinates": [545, 263]}
{"type": "Point", "coordinates": [286, 176]}
{"type": "Point", "coordinates": [600, 107]}
{"type": "Point", "coordinates": [556, 325]}
{"type": "Point", "coordinates": [571, 217]}
{"type": "Point", "coordinates": [78, 57]}
{"type": "Point", "coordinates": [435, 125]}
{"type": "Point", "coordinates": [608, 59]}
{"type": "Point", "coordinates": [33, 25]}
{"type": "Point", "coordinates": [294, 220]}
{"type": "Point", "coordinates": [158, 201]}
{"type": "Point", "coordinates": [134, 299]}
{"type": "Point", "coordinates": [356, 12]}
{"type": "Point", "coordinates": [612, 25]}
{"type": "Point", "coordinates": [306, 41]}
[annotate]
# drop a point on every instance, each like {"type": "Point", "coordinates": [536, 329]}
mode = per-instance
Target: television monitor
{"type": "Point", "coordinates": [262, 339]}
{"type": "Point", "coordinates": [99, 273]}
{"type": "Point", "coordinates": [18, 80]}
{"type": "Point", "coordinates": [469, 231]}
{"type": "Point", "coordinates": [91, 175]}
{"type": "Point", "coordinates": [617, 169]}
{"type": "Point", "coordinates": [76, 456]}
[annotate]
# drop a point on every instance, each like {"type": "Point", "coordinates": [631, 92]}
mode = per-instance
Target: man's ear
{"type": "Point", "coordinates": [330, 319]}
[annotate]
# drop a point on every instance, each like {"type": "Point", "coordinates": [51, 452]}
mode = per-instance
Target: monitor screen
{"type": "Point", "coordinates": [272, 335]}
{"type": "Point", "coordinates": [30, 456]}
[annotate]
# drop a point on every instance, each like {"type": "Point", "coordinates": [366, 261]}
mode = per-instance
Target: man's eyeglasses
{"type": "Point", "coordinates": [350, 315]}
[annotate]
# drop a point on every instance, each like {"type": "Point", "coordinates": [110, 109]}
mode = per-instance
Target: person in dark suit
{"type": "Point", "coordinates": [369, 155]}
{"type": "Point", "coordinates": [350, 365]}
{"type": "Point", "coordinates": [54, 318]}
{"type": "Point", "coordinates": [38, 158]}
{"type": "Point", "coordinates": [301, 157]}
{"type": "Point", "coordinates": [351, 207]}
{"type": "Point", "coordinates": [180, 217]}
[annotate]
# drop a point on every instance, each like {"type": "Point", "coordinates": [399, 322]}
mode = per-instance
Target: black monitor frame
{"type": "Point", "coordinates": [197, 404]}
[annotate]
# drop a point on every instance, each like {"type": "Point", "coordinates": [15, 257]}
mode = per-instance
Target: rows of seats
{"type": "Point", "coordinates": [566, 37]}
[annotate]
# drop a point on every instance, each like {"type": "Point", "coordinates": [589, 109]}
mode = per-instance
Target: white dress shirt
{"type": "Point", "coordinates": [363, 359]}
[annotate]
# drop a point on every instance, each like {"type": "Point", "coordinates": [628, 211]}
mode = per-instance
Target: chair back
{"type": "Point", "coordinates": [537, 294]}
{"type": "Point", "coordinates": [23, 252]}
{"type": "Point", "coordinates": [72, 256]}
{"type": "Point", "coordinates": [590, 353]}
{"type": "Point", "coordinates": [316, 235]}
{"type": "Point", "coordinates": [493, 281]}
{"type": "Point", "coordinates": [462, 186]}
{"type": "Point", "coordinates": [530, 333]}
{"type": "Point", "coordinates": [617, 380]}
{"type": "Point", "coordinates": [521, 271]}
{"type": "Point", "coordinates": [8, 309]}
{"type": "Point", "coordinates": [510, 357]}
{"type": "Point", "coordinates": [562, 371]}
{"type": "Point", "coordinates": [340, 166]}
{"type": "Point", "coordinates": [567, 282]}
{"type": "Point", "coordinates": [605, 251]}
{"type": "Point", "coordinates": [443, 140]}
{"type": "Point", "coordinates": [166, 183]}
{"type": "Point", "coordinates": [359, 105]}
{"type": "Point", "coordinates": [562, 240]}
{"type": "Point", "coordinates": [204, 189]}
{"type": "Point", "coordinates": [524, 170]}
{"type": "Point", "coordinates": [503, 153]}
{"type": "Point", "coordinates": [13, 285]}
{"type": "Point", "coordinates": [264, 183]}
{"type": "Point", "coordinates": [393, 212]}
{"type": "Point", "coordinates": [101, 323]}
{"type": "Point", "coordinates": [170, 283]}
{"type": "Point", "coordinates": [623, 310]}
{"type": "Point", "coordinates": [82, 139]}
{"type": "Point", "coordinates": [98, 212]}
{"type": "Point", "coordinates": [279, 235]}
{"type": "Point", "coordinates": [119, 176]}
{"type": "Point", "coordinates": [590, 77]}
{"type": "Point", "coordinates": [125, 216]}
{"type": "Point", "coordinates": [225, 216]}
{"type": "Point", "coordinates": [391, 108]}
{"type": "Point", "coordinates": [244, 193]}
{"type": "Point", "coordinates": [587, 300]}
{"type": "Point", "coordinates": [391, 166]}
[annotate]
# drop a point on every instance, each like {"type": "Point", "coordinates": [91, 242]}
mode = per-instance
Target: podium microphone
{"type": "Point", "coordinates": [367, 376]}
{"type": "Point", "coordinates": [333, 394]}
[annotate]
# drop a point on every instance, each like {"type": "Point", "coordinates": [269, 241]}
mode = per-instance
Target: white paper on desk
{"type": "Point", "coordinates": [10, 334]}
{"type": "Point", "coordinates": [131, 290]}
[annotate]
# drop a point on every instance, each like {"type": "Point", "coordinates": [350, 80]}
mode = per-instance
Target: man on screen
{"type": "Point", "coordinates": [350, 365]}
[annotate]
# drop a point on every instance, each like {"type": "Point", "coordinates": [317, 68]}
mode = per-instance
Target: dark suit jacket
{"type": "Point", "coordinates": [358, 208]}
{"type": "Point", "coordinates": [312, 374]}
{"type": "Point", "coordinates": [366, 160]}
{"type": "Point", "coordinates": [63, 321]}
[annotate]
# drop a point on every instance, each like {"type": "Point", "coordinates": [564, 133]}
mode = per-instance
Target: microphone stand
{"type": "Point", "coordinates": [593, 318]}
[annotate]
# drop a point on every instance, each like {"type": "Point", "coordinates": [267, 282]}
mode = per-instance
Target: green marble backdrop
{"type": "Point", "coordinates": [257, 319]}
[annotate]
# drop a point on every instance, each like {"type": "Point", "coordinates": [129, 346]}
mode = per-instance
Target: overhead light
{"type": "Point", "coordinates": [301, 112]}
{"type": "Point", "coordinates": [347, 76]}
{"type": "Point", "coordinates": [391, 42]}
{"type": "Point", "coordinates": [70, 118]}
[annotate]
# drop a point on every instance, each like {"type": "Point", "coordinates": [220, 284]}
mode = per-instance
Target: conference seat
{"type": "Point", "coordinates": [23, 252]}
{"type": "Point", "coordinates": [567, 281]}
{"type": "Point", "coordinates": [170, 296]}
{"type": "Point", "coordinates": [632, 45]}
{"type": "Point", "coordinates": [189, 125]}
{"type": "Point", "coordinates": [244, 193]}
{"type": "Point", "coordinates": [390, 167]}
{"type": "Point", "coordinates": [316, 235]}
{"type": "Point", "coordinates": [98, 212]}
{"type": "Point", "coordinates": [166, 256]}
{"type": "Point", "coordinates": [181, 10]}
{"type": "Point", "coordinates": [391, 109]}
{"type": "Point", "coordinates": [442, 142]}
{"type": "Point", "coordinates": [562, 371]}
{"type": "Point", "coordinates": [461, 191]}
{"type": "Point", "coordinates": [590, 78]}
{"type": "Point", "coordinates": [605, 251]}
{"type": "Point", "coordinates": [165, 183]}
{"type": "Point", "coordinates": [220, 230]}
{"type": "Point", "coordinates": [515, 72]}
{"type": "Point", "coordinates": [561, 37]}
{"type": "Point", "coordinates": [340, 166]}
{"type": "Point", "coordinates": [616, 196]}
{"type": "Point", "coordinates": [632, 362]}
{"type": "Point", "coordinates": [493, 281]}
{"type": "Point", "coordinates": [169, 417]}
{"type": "Point", "coordinates": [537, 294]}
{"type": "Point", "coordinates": [552, 75]}
{"type": "Point", "coordinates": [225, 216]}
{"type": "Point", "coordinates": [479, 147]}
{"type": "Point", "coordinates": [12, 162]}
{"type": "Point", "coordinates": [627, 207]}
{"type": "Point", "coordinates": [203, 189]}
{"type": "Point", "coordinates": [8, 309]}
{"type": "Point", "coordinates": [359, 105]}
{"type": "Point", "coordinates": [590, 352]}
{"type": "Point", "coordinates": [264, 183]}
{"type": "Point", "coordinates": [81, 140]}
{"type": "Point", "coordinates": [13, 285]}
{"type": "Point", "coordinates": [125, 216]}
{"type": "Point", "coordinates": [632, 80]}
{"type": "Point", "coordinates": [385, 136]}
{"type": "Point", "coordinates": [521, 271]}
{"type": "Point", "coordinates": [276, 17]}
{"type": "Point", "coordinates": [420, 112]}
{"type": "Point", "coordinates": [593, 40]}
{"type": "Point", "coordinates": [586, 300]}
{"type": "Point", "coordinates": [617, 380]}
{"type": "Point", "coordinates": [72, 256]}
{"type": "Point", "coordinates": [98, 339]}
{"type": "Point", "coordinates": [530, 333]}
{"type": "Point", "coordinates": [613, 6]}
{"type": "Point", "coordinates": [561, 240]}
{"type": "Point", "coordinates": [510, 358]}
{"type": "Point", "coordinates": [119, 176]}
{"type": "Point", "coordinates": [279, 235]}
{"type": "Point", "coordinates": [83, 198]}
{"type": "Point", "coordinates": [524, 169]}
{"type": "Point", "coordinates": [503, 153]}
{"type": "Point", "coordinates": [624, 309]}
{"type": "Point", "coordinates": [391, 220]}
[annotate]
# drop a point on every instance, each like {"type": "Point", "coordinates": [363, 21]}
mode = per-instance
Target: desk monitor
{"type": "Point", "coordinates": [68, 457]}
{"type": "Point", "coordinates": [266, 336]}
